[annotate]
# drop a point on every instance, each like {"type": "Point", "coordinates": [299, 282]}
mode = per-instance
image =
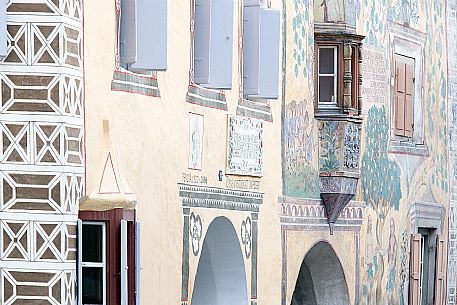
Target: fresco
{"type": "Point", "coordinates": [329, 11]}
{"type": "Point", "coordinates": [301, 179]}
{"type": "Point", "coordinates": [300, 175]}
{"type": "Point", "coordinates": [389, 183]}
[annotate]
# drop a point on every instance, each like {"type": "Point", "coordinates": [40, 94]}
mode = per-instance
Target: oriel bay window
{"type": "Point", "coordinates": [338, 80]}
{"type": "Point", "coordinates": [108, 260]}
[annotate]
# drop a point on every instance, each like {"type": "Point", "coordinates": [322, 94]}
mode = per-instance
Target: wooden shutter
{"type": "Point", "coordinates": [415, 270]}
{"type": "Point", "coordinates": [409, 111]}
{"type": "Point", "coordinates": [399, 98]}
{"type": "Point", "coordinates": [440, 271]}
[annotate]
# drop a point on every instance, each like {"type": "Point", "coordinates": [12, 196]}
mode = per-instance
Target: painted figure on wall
{"type": "Point", "coordinates": [391, 262]}
{"type": "Point", "coordinates": [301, 179]}
{"type": "Point", "coordinates": [331, 10]}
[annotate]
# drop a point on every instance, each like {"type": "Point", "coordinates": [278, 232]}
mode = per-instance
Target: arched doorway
{"type": "Point", "coordinates": [321, 279]}
{"type": "Point", "coordinates": [220, 278]}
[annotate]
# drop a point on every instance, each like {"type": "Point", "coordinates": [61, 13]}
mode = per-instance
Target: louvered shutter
{"type": "Point", "coordinates": [440, 271]}
{"type": "Point", "coordinates": [409, 111]}
{"type": "Point", "coordinates": [415, 270]}
{"type": "Point", "coordinates": [399, 98]}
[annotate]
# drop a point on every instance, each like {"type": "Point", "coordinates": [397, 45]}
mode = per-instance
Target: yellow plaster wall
{"type": "Point", "coordinates": [150, 137]}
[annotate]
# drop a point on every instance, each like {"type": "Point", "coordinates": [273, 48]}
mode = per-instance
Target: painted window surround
{"type": "Point", "coordinates": [410, 43]}
{"type": "Point", "coordinates": [125, 80]}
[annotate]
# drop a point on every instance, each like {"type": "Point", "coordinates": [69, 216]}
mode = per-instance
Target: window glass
{"type": "Point", "coordinates": [92, 243]}
{"type": "Point", "coordinates": [326, 61]}
{"type": "Point", "coordinates": [92, 280]}
{"type": "Point", "coordinates": [327, 89]}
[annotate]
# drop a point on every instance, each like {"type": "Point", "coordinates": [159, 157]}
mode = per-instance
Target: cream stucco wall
{"type": "Point", "coordinates": [150, 137]}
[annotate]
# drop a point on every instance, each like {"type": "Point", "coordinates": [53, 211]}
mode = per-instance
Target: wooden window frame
{"type": "Point", "coordinates": [112, 220]}
{"type": "Point", "coordinates": [339, 65]}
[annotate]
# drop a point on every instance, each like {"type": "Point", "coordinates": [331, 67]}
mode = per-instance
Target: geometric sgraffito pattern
{"type": "Point", "coordinates": [50, 192]}
{"type": "Point", "coordinates": [54, 143]}
{"type": "Point", "coordinates": [41, 94]}
{"type": "Point", "coordinates": [39, 44]}
{"type": "Point", "coordinates": [47, 287]}
{"type": "Point", "coordinates": [38, 241]}
{"type": "Point", "coordinates": [41, 151]}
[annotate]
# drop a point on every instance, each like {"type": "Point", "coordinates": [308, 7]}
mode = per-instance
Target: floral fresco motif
{"type": "Point", "coordinates": [330, 135]}
{"type": "Point", "coordinates": [303, 38]}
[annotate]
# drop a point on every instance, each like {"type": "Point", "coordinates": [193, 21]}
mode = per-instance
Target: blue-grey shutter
{"type": "Point", "coordinates": [3, 31]}
{"type": "Point", "coordinates": [151, 29]}
{"type": "Point", "coordinates": [128, 33]}
{"type": "Point", "coordinates": [261, 51]}
{"type": "Point", "coordinates": [137, 262]}
{"type": "Point", "coordinates": [124, 264]}
{"type": "Point", "coordinates": [213, 44]}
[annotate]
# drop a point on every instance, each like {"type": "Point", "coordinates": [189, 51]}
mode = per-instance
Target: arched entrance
{"type": "Point", "coordinates": [220, 278]}
{"type": "Point", "coordinates": [321, 279]}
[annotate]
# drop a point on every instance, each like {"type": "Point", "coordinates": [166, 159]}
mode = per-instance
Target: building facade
{"type": "Point", "coordinates": [228, 152]}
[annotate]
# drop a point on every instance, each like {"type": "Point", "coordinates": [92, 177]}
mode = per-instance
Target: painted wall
{"type": "Point", "coordinates": [150, 138]}
{"type": "Point", "coordinates": [392, 177]}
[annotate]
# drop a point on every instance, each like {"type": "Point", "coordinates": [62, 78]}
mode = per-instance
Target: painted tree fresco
{"type": "Point", "coordinates": [382, 192]}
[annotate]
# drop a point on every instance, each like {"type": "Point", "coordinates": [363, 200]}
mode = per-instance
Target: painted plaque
{"type": "Point", "coordinates": [195, 141]}
{"type": "Point", "coordinates": [245, 146]}
{"type": "Point", "coordinates": [374, 75]}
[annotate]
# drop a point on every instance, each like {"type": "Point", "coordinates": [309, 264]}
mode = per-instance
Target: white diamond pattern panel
{"type": "Point", "coordinates": [41, 151]}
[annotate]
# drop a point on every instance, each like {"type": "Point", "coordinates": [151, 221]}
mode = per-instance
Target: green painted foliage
{"type": "Point", "coordinates": [380, 176]}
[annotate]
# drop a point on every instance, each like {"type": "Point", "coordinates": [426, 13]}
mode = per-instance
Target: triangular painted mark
{"type": "Point", "coordinates": [109, 184]}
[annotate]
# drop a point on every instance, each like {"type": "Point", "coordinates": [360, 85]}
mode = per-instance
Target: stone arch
{"type": "Point", "coordinates": [321, 280]}
{"type": "Point", "coordinates": [221, 277]}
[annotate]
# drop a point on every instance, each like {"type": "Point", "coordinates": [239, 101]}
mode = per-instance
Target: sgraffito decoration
{"type": "Point", "coordinates": [245, 146]}
{"type": "Point", "coordinates": [196, 197]}
{"type": "Point", "coordinates": [195, 232]}
{"type": "Point", "coordinates": [246, 234]}
{"type": "Point", "coordinates": [351, 146]}
{"type": "Point", "coordinates": [195, 141]}
{"type": "Point", "coordinates": [42, 155]}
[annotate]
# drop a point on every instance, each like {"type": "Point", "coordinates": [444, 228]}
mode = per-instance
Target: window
{"type": "Point", "coordinates": [108, 260]}
{"type": "Point", "coordinates": [327, 82]}
{"type": "Point", "coordinates": [213, 43]}
{"type": "Point", "coordinates": [404, 96]}
{"type": "Point", "coordinates": [427, 268]}
{"type": "Point", "coordinates": [143, 35]}
{"type": "Point", "coordinates": [93, 263]}
{"type": "Point", "coordinates": [338, 81]}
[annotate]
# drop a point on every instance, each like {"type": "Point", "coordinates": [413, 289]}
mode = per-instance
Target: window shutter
{"type": "Point", "coordinates": [137, 263]}
{"type": "Point", "coordinates": [3, 31]}
{"type": "Point", "coordinates": [440, 271]}
{"type": "Point", "coordinates": [260, 51]}
{"type": "Point", "coordinates": [213, 43]}
{"type": "Point", "coordinates": [80, 259]}
{"type": "Point", "coordinates": [128, 33]}
{"type": "Point", "coordinates": [124, 266]}
{"type": "Point", "coordinates": [409, 111]}
{"type": "Point", "coordinates": [399, 98]}
{"type": "Point", "coordinates": [415, 270]}
{"type": "Point", "coordinates": [151, 29]}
